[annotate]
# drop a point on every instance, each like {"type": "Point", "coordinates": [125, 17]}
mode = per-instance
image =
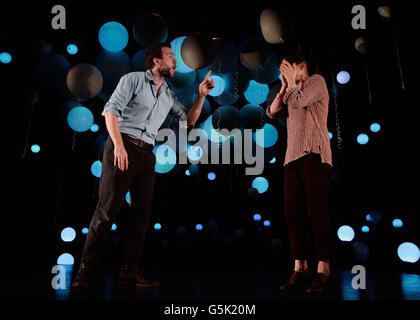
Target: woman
{"type": "Point", "coordinates": [303, 98]}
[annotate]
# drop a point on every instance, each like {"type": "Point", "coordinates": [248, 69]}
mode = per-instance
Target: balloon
{"type": "Point", "coordinates": [137, 62]}
{"type": "Point", "coordinates": [80, 119]}
{"type": "Point", "coordinates": [226, 98]}
{"type": "Point", "coordinates": [149, 29]}
{"type": "Point", "coordinates": [253, 52]}
{"type": "Point", "coordinates": [269, 71]}
{"type": "Point", "coordinates": [271, 26]}
{"type": "Point", "coordinates": [113, 65]}
{"type": "Point", "coordinates": [31, 97]}
{"type": "Point", "coordinates": [44, 48]}
{"type": "Point", "coordinates": [226, 56]}
{"type": "Point", "coordinates": [197, 51]}
{"type": "Point", "coordinates": [252, 116]}
{"type": "Point", "coordinates": [176, 48]}
{"type": "Point", "coordinates": [385, 11]}
{"type": "Point", "coordinates": [361, 251]}
{"type": "Point", "coordinates": [226, 117]}
{"type": "Point", "coordinates": [361, 45]}
{"type": "Point", "coordinates": [113, 36]}
{"type": "Point", "coordinates": [84, 81]}
{"type": "Point", "coordinates": [52, 70]}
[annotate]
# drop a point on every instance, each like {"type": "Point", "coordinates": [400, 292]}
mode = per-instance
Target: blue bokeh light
{"type": "Point", "coordinates": [267, 136]}
{"type": "Point", "coordinates": [199, 227]}
{"type": "Point", "coordinates": [194, 152]}
{"type": "Point", "coordinates": [345, 233]}
{"type": "Point", "coordinates": [343, 77]}
{"type": "Point", "coordinates": [375, 127]}
{"type": "Point", "coordinates": [397, 223]}
{"type": "Point", "coordinates": [80, 119]}
{"type": "Point", "coordinates": [362, 138]}
{"type": "Point", "coordinates": [68, 234]}
{"type": "Point", "coordinates": [273, 160]}
{"type": "Point", "coordinates": [128, 197]}
{"type": "Point", "coordinates": [330, 135]}
{"type": "Point", "coordinates": [267, 223]}
{"type": "Point", "coordinates": [96, 168]}
{"type": "Point", "coordinates": [5, 57]}
{"type": "Point", "coordinates": [408, 252]}
{"type": "Point", "coordinates": [219, 86]}
{"type": "Point", "coordinates": [261, 184]}
{"type": "Point", "coordinates": [257, 217]}
{"type": "Point", "coordinates": [94, 127]}
{"type": "Point", "coordinates": [65, 259]}
{"type": "Point", "coordinates": [35, 148]}
{"type": "Point", "coordinates": [72, 49]}
{"type": "Point", "coordinates": [256, 93]}
{"type": "Point", "coordinates": [85, 230]}
{"type": "Point", "coordinates": [365, 229]}
{"type": "Point", "coordinates": [114, 227]}
{"type": "Point", "coordinates": [157, 226]}
{"type": "Point", "coordinates": [113, 36]}
{"type": "Point", "coordinates": [211, 176]}
{"type": "Point", "coordinates": [187, 172]}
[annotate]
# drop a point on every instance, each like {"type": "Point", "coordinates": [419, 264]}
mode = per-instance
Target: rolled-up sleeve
{"type": "Point", "coordinates": [311, 92]}
{"type": "Point", "coordinates": [178, 111]}
{"type": "Point", "coordinates": [120, 97]}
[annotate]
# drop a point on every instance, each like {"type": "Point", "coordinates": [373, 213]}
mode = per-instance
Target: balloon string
{"type": "Point", "coordinates": [26, 141]}
{"type": "Point", "coordinates": [73, 146]}
{"type": "Point", "coordinates": [397, 51]}
{"type": "Point", "coordinates": [368, 84]}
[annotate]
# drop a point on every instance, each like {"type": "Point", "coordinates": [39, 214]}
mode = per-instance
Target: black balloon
{"type": "Point", "coordinates": [225, 117]}
{"type": "Point", "coordinates": [84, 81]}
{"type": "Point", "coordinates": [197, 51]}
{"type": "Point", "coordinates": [149, 29]}
{"type": "Point", "coordinates": [52, 70]}
{"type": "Point", "coordinates": [253, 52]}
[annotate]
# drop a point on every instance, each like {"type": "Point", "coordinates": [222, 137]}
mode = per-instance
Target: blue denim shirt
{"type": "Point", "coordinates": [140, 112]}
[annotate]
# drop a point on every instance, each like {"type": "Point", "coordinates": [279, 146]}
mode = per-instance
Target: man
{"type": "Point", "coordinates": [133, 115]}
{"type": "Point", "coordinates": [303, 98]}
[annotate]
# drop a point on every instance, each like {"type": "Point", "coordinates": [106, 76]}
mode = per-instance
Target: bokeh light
{"type": "Point", "coordinates": [65, 259]}
{"type": "Point", "coordinates": [408, 252]}
{"type": "Point", "coordinates": [365, 229]}
{"type": "Point", "coordinates": [72, 49]}
{"type": "Point", "coordinates": [257, 217]}
{"type": "Point", "coordinates": [345, 233]}
{"type": "Point", "coordinates": [362, 138]}
{"type": "Point", "coordinates": [114, 227]}
{"type": "Point", "coordinates": [85, 230]}
{"type": "Point", "coordinates": [35, 148]}
{"type": "Point", "coordinates": [5, 57]}
{"type": "Point", "coordinates": [397, 223]}
{"type": "Point", "coordinates": [219, 86]}
{"type": "Point", "coordinates": [267, 223]}
{"type": "Point", "coordinates": [176, 48]}
{"type": "Point", "coordinates": [199, 227]}
{"type": "Point", "coordinates": [157, 226]}
{"type": "Point", "coordinates": [68, 234]}
{"type": "Point", "coordinates": [96, 168]}
{"type": "Point", "coordinates": [261, 184]}
{"type": "Point", "coordinates": [375, 127]}
{"type": "Point", "coordinates": [267, 136]}
{"type": "Point", "coordinates": [94, 127]}
{"type": "Point", "coordinates": [165, 158]}
{"type": "Point", "coordinates": [343, 77]}
{"type": "Point", "coordinates": [211, 176]}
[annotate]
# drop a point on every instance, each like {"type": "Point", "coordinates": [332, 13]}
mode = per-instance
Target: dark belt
{"type": "Point", "coordinates": [137, 142]}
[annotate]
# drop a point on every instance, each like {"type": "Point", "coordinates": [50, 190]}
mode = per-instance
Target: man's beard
{"type": "Point", "coordinates": [165, 72]}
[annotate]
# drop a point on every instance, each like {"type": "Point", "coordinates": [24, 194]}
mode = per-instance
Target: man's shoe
{"type": "Point", "coordinates": [321, 284]}
{"type": "Point", "coordinates": [134, 277]}
{"type": "Point", "coordinates": [82, 279]}
{"type": "Point", "coordinates": [297, 282]}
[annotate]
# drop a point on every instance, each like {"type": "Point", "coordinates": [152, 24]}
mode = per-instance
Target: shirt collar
{"type": "Point", "coordinates": [149, 77]}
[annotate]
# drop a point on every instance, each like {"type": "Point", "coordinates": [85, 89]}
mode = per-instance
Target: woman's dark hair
{"type": "Point", "coordinates": [298, 56]}
{"type": "Point", "coordinates": [154, 51]}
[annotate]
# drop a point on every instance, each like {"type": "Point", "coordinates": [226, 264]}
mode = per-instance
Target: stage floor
{"type": "Point", "coordinates": [235, 285]}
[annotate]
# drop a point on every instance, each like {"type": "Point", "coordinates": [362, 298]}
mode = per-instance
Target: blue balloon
{"type": "Point", "coordinates": [72, 49]}
{"type": "Point", "coordinates": [165, 158]}
{"type": "Point", "coordinates": [256, 93]}
{"type": "Point", "coordinates": [219, 86]}
{"type": "Point", "coordinates": [176, 48]}
{"type": "Point", "coordinates": [137, 62]}
{"type": "Point", "coordinates": [267, 136]}
{"type": "Point", "coordinates": [362, 138]}
{"type": "Point", "coordinates": [5, 57]}
{"type": "Point", "coordinates": [261, 184]}
{"type": "Point", "coordinates": [343, 77]}
{"type": "Point", "coordinates": [113, 36]}
{"type": "Point", "coordinates": [361, 251]}
{"type": "Point", "coordinates": [345, 233]}
{"type": "Point", "coordinates": [408, 252]}
{"type": "Point", "coordinates": [96, 168]}
{"type": "Point", "coordinates": [80, 119]}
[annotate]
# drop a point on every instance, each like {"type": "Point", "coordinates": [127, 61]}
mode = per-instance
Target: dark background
{"type": "Point", "coordinates": [53, 189]}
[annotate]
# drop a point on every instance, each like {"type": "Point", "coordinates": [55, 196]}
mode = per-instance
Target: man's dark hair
{"type": "Point", "coordinates": [154, 51]}
{"type": "Point", "coordinates": [298, 56]}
